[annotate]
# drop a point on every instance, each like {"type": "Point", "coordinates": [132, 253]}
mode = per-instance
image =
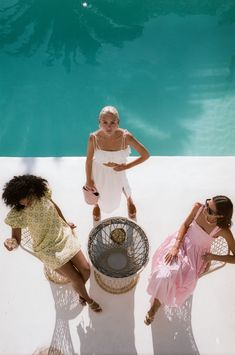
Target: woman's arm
{"type": "Point", "coordinates": [16, 233]}
{"type": "Point", "coordinates": [228, 236]}
{"type": "Point", "coordinates": [89, 158]}
{"type": "Point", "coordinates": [224, 258]}
{"type": "Point", "coordinates": [180, 237]}
{"type": "Point", "coordinates": [140, 148]}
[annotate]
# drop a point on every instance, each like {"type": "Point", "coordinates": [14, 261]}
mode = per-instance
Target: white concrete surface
{"type": "Point", "coordinates": [35, 314]}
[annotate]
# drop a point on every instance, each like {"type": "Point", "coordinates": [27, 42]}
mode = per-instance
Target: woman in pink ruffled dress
{"type": "Point", "coordinates": [182, 257]}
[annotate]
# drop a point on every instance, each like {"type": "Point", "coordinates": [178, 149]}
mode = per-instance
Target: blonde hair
{"type": "Point", "coordinates": [109, 109]}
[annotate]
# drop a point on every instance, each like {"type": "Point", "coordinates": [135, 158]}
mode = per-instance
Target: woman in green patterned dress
{"type": "Point", "coordinates": [53, 241]}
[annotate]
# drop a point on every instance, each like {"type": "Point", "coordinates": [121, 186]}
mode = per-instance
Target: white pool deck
{"type": "Point", "coordinates": [36, 314]}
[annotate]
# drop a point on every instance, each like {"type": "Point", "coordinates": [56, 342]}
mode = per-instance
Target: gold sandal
{"type": "Point", "coordinates": [82, 301]}
{"type": "Point", "coordinates": [148, 319]}
{"type": "Point", "coordinates": [95, 306]}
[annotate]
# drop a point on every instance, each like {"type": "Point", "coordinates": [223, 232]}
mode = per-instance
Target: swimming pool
{"type": "Point", "coordinates": [168, 66]}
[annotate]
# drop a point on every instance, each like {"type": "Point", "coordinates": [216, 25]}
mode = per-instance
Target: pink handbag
{"type": "Point", "coordinates": [91, 196]}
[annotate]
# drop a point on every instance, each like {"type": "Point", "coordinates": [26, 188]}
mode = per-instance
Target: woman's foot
{"type": "Point", "coordinates": [82, 301]}
{"type": "Point", "coordinates": [96, 214]}
{"type": "Point", "coordinates": [152, 311]}
{"type": "Point", "coordinates": [149, 318]}
{"type": "Point", "coordinates": [94, 306]}
{"type": "Point", "coordinates": [131, 210]}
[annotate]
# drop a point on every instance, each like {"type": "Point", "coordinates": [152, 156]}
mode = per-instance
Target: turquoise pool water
{"type": "Point", "coordinates": [168, 66]}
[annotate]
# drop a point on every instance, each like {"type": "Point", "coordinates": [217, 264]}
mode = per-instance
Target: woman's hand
{"type": "Point", "coordinates": [110, 164]}
{"type": "Point", "coordinates": [11, 244]}
{"type": "Point", "coordinates": [71, 225]}
{"type": "Point", "coordinates": [172, 255]}
{"type": "Point", "coordinates": [115, 166]}
{"type": "Point", "coordinates": [120, 167]}
{"type": "Point", "coordinates": [90, 185]}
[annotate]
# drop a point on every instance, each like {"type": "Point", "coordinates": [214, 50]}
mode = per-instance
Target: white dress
{"type": "Point", "coordinates": [110, 183]}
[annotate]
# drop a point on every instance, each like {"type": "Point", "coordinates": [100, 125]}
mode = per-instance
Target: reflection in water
{"type": "Point", "coordinates": [167, 65]}
{"type": "Point", "coordinates": [68, 29]}
{"type": "Point", "coordinates": [231, 68]}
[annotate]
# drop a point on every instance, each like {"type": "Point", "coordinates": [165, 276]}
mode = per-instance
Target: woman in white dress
{"type": "Point", "coordinates": [107, 152]}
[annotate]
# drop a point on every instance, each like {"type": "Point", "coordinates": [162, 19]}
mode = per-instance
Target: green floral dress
{"type": "Point", "coordinates": [52, 239]}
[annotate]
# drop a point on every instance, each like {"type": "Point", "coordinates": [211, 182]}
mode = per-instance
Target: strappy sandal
{"type": "Point", "coordinates": [131, 210]}
{"type": "Point", "coordinates": [96, 214]}
{"type": "Point", "coordinates": [82, 301]}
{"type": "Point", "coordinates": [95, 307]}
{"type": "Point", "coordinates": [148, 319]}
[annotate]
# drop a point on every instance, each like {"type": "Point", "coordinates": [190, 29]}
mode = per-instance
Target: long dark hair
{"type": "Point", "coordinates": [224, 207]}
{"type": "Point", "coordinates": [23, 186]}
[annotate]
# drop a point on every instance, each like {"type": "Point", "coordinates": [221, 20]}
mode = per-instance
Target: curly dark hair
{"type": "Point", "coordinates": [23, 186]}
{"type": "Point", "coordinates": [224, 207]}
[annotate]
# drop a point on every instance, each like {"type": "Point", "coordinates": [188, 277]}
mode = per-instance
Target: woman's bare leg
{"type": "Point", "coordinates": [152, 311]}
{"type": "Point", "coordinates": [78, 284]}
{"type": "Point", "coordinates": [76, 279]}
{"type": "Point", "coordinates": [96, 213]}
{"type": "Point", "coordinates": [82, 265]}
{"type": "Point", "coordinates": [131, 208]}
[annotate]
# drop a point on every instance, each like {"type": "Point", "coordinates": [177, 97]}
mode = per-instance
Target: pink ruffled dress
{"type": "Point", "coordinates": [173, 283]}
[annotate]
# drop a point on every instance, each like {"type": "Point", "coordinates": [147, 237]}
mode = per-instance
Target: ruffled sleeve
{"type": "Point", "coordinates": [16, 219]}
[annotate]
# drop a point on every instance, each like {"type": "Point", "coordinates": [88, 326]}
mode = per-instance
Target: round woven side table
{"type": "Point", "coordinates": [118, 249]}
